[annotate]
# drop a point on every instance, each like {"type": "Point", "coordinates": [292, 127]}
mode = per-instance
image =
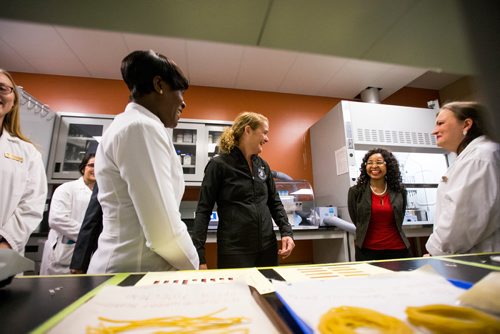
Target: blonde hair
{"type": "Point", "coordinates": [11, 121]}
{"type": "Point", "coordinates": [232, 135]}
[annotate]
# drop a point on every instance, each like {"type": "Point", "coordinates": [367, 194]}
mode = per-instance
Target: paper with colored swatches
{"type": "Point", "coordinates": [325, 272]}
{"type": "Point", "coordinates": [250, 276]}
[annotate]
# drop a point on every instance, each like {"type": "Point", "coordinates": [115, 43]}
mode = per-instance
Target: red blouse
{"type": "Point", "coordinates": [382, 232]}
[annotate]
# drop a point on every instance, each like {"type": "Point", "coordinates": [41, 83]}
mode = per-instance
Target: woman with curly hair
{"type": "Point", "coordinates": [377, 205]}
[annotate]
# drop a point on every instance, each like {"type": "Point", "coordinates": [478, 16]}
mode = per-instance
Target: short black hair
{"type": "Point", "coordinates": [140, 67]}
{"type": "Point", "coordinates": [85, 161]}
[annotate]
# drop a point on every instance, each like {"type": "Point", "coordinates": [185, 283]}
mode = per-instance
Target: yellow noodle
{"type": "Point", "coordinates": [175, 324]}
{"type": "Point", "coordinates": [453, 319]}
{"type": "Point", "coordinates": [346, 319]}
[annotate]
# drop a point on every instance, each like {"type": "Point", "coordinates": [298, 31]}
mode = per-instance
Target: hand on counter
{"type": "Point", "coordinates": [203, 266]}
{"type": "Point", "coordinates": [287, 245]}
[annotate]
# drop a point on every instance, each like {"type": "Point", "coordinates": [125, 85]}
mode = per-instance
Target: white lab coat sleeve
{"type": "Point", "coordinates": [463, 221]}
{"type": "Point", "coordinates": [29, 211]}
{"type": "Point", "coordinates": [61, 217]}
{"type": "Point", "coordinates": [145, 162]}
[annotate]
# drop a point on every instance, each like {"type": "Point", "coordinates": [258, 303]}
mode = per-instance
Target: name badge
{"type": "Point", "coordinates": [13, 157]}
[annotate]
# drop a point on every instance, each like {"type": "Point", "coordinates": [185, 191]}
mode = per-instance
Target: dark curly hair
{"type": "Point", "coordinates": [393, 176]}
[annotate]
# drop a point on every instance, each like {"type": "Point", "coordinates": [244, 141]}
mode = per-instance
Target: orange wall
{"type": "Point", "coordinates": [412, 97]}
{"type": "Point", "coordinates": [290, 116]}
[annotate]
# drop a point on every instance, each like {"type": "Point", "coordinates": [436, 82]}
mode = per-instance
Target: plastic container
{"type": "Point", "coordinates": [188, 137]}
{"type": "Point", "coordinates": [187, 160]}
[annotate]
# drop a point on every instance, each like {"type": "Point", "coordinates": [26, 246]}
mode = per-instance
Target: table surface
{"type": "Point", "coordinates": [29, 301]}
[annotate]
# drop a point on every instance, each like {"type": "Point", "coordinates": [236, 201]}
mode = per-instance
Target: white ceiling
{"type": "Point", "coordinates": [70, 51]}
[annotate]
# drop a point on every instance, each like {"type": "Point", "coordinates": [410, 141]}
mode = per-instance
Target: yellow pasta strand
{"type": "Point", "coordinates": [442, 319]}
{"type": "Point", "coordinates": [175, 324]}
{"type": "Point", "coordinates": [346, 319]}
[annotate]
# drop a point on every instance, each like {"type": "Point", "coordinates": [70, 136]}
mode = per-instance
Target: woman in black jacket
{"type": "Point", "coordinates": [377, 205]}
{"type": "Point", "coordinates": [241, 184]}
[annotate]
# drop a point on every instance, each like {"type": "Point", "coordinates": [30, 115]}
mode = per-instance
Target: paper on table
{"type": "Point", "coordinates": [386, 293]}
{"type": "Point", "coordinates": [12, 263]}
{"type": "Point", "coordinates": [250, 276]}
{"type": "Point", "coordinates": [485, 294]}
{"type": "Point", "coordinates": [322, 272]}
{"type": "Point", "coordinates": [146, 302]}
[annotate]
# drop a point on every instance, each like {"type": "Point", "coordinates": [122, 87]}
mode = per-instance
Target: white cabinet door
{"type": "Point", "coordinates": [188, 142]}
{"type": "Point", "coordinates": [196, 142]}
{"type": "Point", "coordinates": [213, 134]}
{"type": "Point", "coordinates": [73, 137]}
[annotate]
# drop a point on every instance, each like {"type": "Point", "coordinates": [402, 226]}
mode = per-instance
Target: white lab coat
{"type": "Point", "coordinates": [467, 217]}
{"type": "Point", "coordinates": [23, 190]}
{"type": "Point", "coordinates": [140, 188]}
{"type": "Point", "coordinates": [67, 210]}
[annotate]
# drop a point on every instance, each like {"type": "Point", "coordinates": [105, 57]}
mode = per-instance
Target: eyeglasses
{"type": "Point", "coordinates": [376, 163]}
{"type": "Point", "coordinates": [91, 165]}
{"type": "Point", "coordinates": [6, 90]}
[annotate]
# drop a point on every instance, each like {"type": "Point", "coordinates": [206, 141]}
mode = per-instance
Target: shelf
{"type": "Point", "coordinates": [78, 142]}
{"type": "Point", "coordinates": [184, 144]}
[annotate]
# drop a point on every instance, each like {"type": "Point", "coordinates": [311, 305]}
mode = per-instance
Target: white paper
{"type": "Point", "coordinates": [389, 294]}
{"type": "Point", "coordinates": [146, 302]}
{"type": "Point", "coordinates": [323, 272]}
{"type": "Point", "coordinates": [251, 276]}
{"type": "Point", "coordinates": [12, 263]}
{"type": "Point", "coordinates": [341, 160]}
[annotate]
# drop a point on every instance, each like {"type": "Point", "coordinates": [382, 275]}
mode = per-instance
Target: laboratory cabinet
{"type": "Point", "coordinates": [74, 135]}
{"type": "Point", "coordinates": [195, 142]}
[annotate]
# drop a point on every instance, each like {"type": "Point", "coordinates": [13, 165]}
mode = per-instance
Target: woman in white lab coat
{"type": "Point", "coordinates": [140, 177]}
{"type": "Point", "coordinates": [467, 217]}
{"type": "Point", "coordinates": [67, 209]}
{"type": "Point", "coordinates": [23, 188]}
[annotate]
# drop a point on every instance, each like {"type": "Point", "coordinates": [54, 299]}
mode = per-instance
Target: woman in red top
{"type": "Point", "coordinates": [377, 205]}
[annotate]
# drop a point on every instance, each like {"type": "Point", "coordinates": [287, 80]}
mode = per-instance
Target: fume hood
{"type": "Point", "coordinates": [344, 135]}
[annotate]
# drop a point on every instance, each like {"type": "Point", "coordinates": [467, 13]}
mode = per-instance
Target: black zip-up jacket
{"type": "Point", "coordinates": [245, 205]}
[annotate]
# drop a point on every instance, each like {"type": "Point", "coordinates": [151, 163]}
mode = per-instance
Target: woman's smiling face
{"type": "Point", "coordinates": [7, 96]}
{"type": "Point", "coordinates": [376, 166]}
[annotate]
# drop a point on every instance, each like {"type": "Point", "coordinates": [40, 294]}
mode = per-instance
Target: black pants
{"type": "Point", "coordinates": [365, 254]}
{"type": "Point", "coordinates": [265, 258]}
